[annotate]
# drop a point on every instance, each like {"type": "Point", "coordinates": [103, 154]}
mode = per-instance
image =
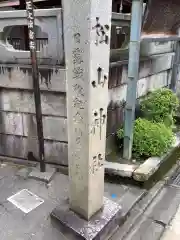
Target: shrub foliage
{"type": "Point", "coordinates": [150, 138]}
{"type": "Point", "coordinates": [160, 106]}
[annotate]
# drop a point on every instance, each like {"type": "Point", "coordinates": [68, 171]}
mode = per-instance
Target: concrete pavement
{"type": "Point", "coordinates": [37, 224]}
{"type": "Point", "coordinates": [152, 216]}
{"type": "Point", "coordinates": [173, 230]}
{"type": "Point", "coordinates": [148, 216]}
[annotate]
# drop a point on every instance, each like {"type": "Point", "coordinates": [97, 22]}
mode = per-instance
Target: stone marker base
{"type": "Point", "coordinates": [101, 226]}
{"type": "Point", "coordinates": [43, 176]}
{"type": "Point", "coordinates": [24, 172]}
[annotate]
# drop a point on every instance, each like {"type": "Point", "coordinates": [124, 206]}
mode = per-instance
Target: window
{"type": "Point", "coordinates": [17, 36]}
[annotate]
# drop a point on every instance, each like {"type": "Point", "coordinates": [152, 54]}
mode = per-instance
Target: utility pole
{"type": "Point", "coordinates": [35, 77]}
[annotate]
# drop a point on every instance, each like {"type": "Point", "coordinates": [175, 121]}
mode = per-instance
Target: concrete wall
{"type": "Point", "coordinates": [17, 111]}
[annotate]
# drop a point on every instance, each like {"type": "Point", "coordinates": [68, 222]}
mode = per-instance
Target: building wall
{"type": "Point", "coordinates": [17, 110]}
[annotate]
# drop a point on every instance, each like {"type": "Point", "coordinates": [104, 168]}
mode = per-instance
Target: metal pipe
{"type": "Point", "coordinates": [35, 76]}
{"type": "Point", "coordinates": [175, 68]}
{"type": "Point", "coordinates": [133, 74]}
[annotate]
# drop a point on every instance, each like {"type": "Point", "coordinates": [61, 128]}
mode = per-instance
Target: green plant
{"type": "Point", "coordinates": [150, 138]}
{"type": "Point", "coordinates": [160, 106]}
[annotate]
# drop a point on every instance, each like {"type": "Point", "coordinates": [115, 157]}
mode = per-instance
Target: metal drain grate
{"type": "Point", "coordinates": [25, 200]}
{"type": "Point", "coordinates": [175, 179]}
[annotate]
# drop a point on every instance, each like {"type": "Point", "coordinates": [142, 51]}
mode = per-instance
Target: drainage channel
{"type": "Point", "coordinates": [175, 179]}
{"type": "Point", "coordinates": [163, 170]}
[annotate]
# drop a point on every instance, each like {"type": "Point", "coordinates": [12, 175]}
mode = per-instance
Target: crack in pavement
{"type": "Point", "coordinates": [160, 223]}
{"type": "Point", "coordinates": [3, 206]}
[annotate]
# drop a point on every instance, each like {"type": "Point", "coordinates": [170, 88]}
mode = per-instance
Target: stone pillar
{"type": "Point", "coordinates": [87, 26]}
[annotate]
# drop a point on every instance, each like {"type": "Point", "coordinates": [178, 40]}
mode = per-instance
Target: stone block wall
{"type": "Point", "coordinates": [17, 113]}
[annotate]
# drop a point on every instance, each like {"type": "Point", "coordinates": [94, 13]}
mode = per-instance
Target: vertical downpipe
{"type": "Point", "coordinates": [133, 75]}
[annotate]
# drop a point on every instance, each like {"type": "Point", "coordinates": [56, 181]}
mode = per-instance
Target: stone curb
{"type": "Point", "coordinates": [145, 170]}
{"type": "Point", "coordinates": [151, 165]}
{"type": "Point", "coordinates": [18, 161]}
{"type": "Point", "coordinates": [34, 173]}
{"type": "Point", "coordinates": [122, 170]}
{"type": "Point", "coordinates": [45, 177]}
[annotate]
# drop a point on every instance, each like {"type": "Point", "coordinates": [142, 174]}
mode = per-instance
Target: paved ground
{"type": "Point", "coordinates": [149, 217]}
{"type": "Point", "coordinates": [152, 215]}
{"type": "Point", "coordinates": [38, 225]}
{"type": "Point", "coordinates": [173, 231]}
